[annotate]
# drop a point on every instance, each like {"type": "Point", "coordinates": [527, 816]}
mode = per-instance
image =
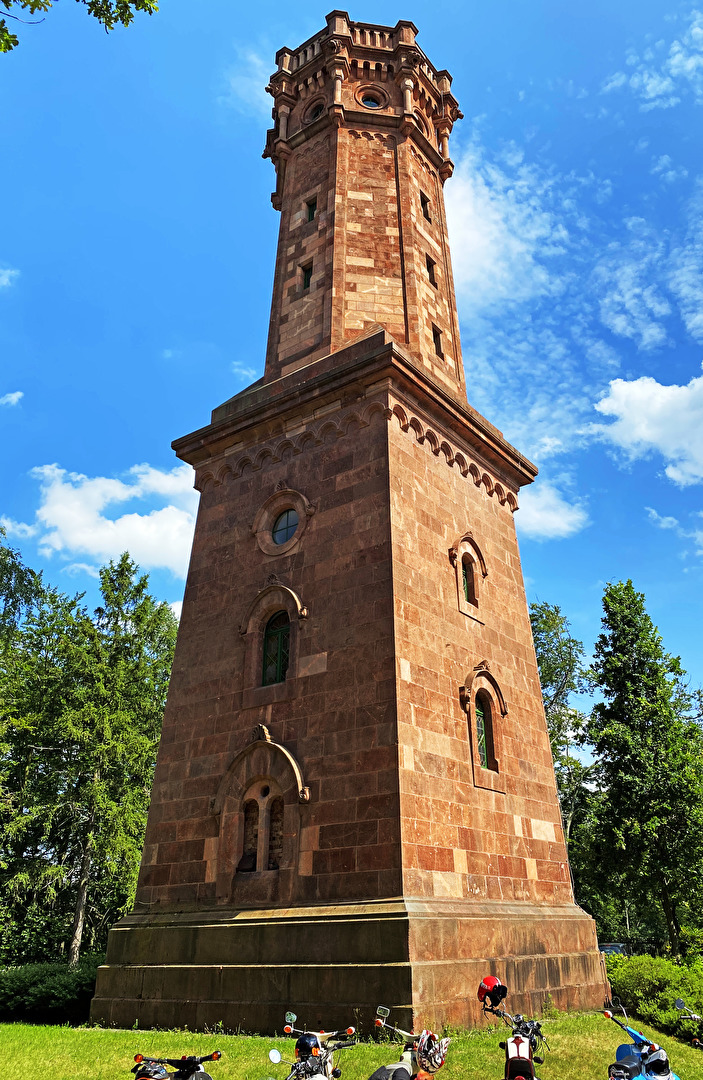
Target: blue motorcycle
{"type": "Point", "coordinates": [641, 1057]}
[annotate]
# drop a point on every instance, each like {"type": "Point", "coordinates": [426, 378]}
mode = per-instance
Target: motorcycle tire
{"type": "Point", "coordinates": [384, 1073]}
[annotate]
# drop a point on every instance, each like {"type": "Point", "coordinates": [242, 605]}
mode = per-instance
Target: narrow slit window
{"type": "Point", "coordinates": [437, 339]}
{"type": "Point", "coordinates": [312, 209]}
{"type": "Point", "coordinates": [276, 649]}
{"type": "Point", "coordinates": [431, 270]}
{"type": "Point", "coordinates": [307, 276]}
{"type": "Point", "coordinates": [425, 205]}
{"type": "Point", "coordinates": [247, 863]}
{"type": "Point", "coordinates": [275, 834]}
{"type": "Point", "coordinates": [468, 580]}
{"type": "Point", "coordinates": [483, 711]}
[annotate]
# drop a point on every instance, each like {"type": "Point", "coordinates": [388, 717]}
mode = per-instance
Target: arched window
{"type": "Point", "coordinates": [247, 863]}
{"type": "Point", "coordinates": [471, 572]}
{"type": "Point", "coordinates": [468, 580]}
{"type": "Point", "coordinates": [276, 648]}
{"type": "Point", "coordinates": [483, 711]}
{"type": "Point", "coordinates": [275, 853]}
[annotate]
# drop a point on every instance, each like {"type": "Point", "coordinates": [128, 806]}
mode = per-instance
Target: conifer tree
{"type": "Point", "coordinates": [649, 751]}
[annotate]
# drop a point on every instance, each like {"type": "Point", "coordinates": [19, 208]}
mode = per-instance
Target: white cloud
{"type": "Point", "coordinates": [74, 516]}
{"type": "Point", "coordinates": [18, 528]}
{"type": "Point", "coordinates": [663, 83]}
{"type": "Point", "coordinates": [73, 569]}
{"type": "Point", "coordinates": [176, 607]}
{"type": "Point", "coordinates": [666, 522]}
{"type": "Point", "coordinates": [12, 399]}
{"type": "Point", "coordinates": [685, 268]}
{"type": "Point", "coordinates": [545, 514]}
{"type": "Point", "coordinates": [625, 279]}
{"type": "Point", "coordinates": [664, 168]}
{"type": "Point", "coordinates": [243, 371]}
{"type": "Point", "coordinates": [8, 277]}
{"type": "Point", "coordinates": [246, 82]}
{"type": "Point", "coordinates": [502, 230]}
{"type": "Point", "coordinates": [613, 82]}
{"type": "Point", "coordinates": [652, 418]}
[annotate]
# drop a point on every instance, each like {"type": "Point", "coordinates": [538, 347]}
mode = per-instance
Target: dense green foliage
{"type": "Point", "coordinates": [648, 987]}
{"type": "Point", "coordinates": [49, 993]}
{"type": "Point", "coordinates": [81, 701]}
{"type": "Point", "coordinates": [107, 12]}
{"type": "Point", "coordinates": [629, 775]}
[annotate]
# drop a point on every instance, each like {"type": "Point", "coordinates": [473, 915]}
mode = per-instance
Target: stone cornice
{"type": "Point", "coordinates": [345, 388]}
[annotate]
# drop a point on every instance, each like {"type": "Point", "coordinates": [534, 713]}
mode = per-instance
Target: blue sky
{"type": "Point", "coordinates": [137, 250]}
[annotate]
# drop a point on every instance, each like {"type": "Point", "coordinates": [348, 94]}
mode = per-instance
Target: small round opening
{"type": "Point", "coordinates": [371, 101]}
{"type": "Point", "coordinates": [317, 111]}
{"type": "Point", "coordinates": [266, 790]}
{"type": "Point", "coordinates": [284, 526]}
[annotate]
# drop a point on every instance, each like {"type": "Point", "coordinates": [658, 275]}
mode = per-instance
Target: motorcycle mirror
{"type": "Point", "coordinates": [275, 1056]}
{"type": "Point", "coordinates": [290, 1018]}
{"type": "Point", "coordinates": [383, 1011]}
{"type": "Point", "coordinates": [679, 1004]}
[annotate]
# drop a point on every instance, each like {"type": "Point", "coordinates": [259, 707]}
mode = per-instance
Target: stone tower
{"type": "Point", "coordinates": [354, 799]}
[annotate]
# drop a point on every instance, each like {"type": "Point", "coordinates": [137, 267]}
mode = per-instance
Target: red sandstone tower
{"type": "Point", "coordinates": [354, 799]}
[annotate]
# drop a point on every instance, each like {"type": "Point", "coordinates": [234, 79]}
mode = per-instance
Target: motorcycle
{"type": "Point", "coordinates": [526, 1037]}
{"type": "Point", "coordinates": [314, 1051]}
{"type": "Point", "coordinates": [680, 1004]}
{"type": "Point", "coordinates": [148, 1068]}
{"type": "Point", "coordinates": [422, 1053]}
{"type": "Point", "coordinates": [641, 1057]}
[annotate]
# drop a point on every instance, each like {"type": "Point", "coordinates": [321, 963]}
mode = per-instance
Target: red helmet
{"type": "Point", "coordinates": [493, 989]}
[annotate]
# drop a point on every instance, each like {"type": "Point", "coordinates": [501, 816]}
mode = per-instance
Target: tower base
{"type": "Point", "coordinates": [424, 959]}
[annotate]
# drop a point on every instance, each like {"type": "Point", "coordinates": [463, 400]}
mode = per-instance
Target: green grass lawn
{"type": "Point", "coordinates": [582, 1045]}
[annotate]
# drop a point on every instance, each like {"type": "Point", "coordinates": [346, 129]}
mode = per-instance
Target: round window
{"type": "Point", "coordinates": [317, 111]}
{"type": "Point", "coordinates": [371, 101]}
{"type": "Point", "coordinates": [284, 526]}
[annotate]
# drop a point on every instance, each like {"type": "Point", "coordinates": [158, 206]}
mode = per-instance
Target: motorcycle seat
{"type": "Point", "coordinates": [630, 1066]}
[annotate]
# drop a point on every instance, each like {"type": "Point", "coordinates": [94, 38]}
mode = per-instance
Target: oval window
{"type": "Point", "coordinates": [371, 101]}
{"type": "Point", "coordinates": [316, 112]}
{"type": "Point", "coordinates": [284, 526]}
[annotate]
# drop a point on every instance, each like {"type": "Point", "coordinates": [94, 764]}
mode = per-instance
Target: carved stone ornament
{"type": "Point", "coordinates": [260, 732]}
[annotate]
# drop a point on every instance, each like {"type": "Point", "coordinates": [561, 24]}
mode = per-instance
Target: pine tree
{"type": "Point", "coordinates": [649, 828]}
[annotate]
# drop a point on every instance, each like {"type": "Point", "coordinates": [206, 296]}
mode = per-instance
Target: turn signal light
{"type": "Point", "coordinates": [138, 1058]}
{"type": "Point", "coordinates": [378, 1023]}
{"type": "Point", "coordinates": [608, 1015]}
{"type": "Point", "coordinates": [288, 1029]}
{"type": "Point", "coordinates": [350, 1031]}
{"type": "Point", "coordinates": [217, 1054]}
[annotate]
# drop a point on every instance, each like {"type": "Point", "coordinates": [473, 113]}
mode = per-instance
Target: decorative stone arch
{"type": "Point", "coordinates": [467, 558]}
{"type": "Point", "coordinates": [266, 774]}
{"type": "Point", "coordinates": [282, 499]}
{"type": "Point", "coordinates": [482, 687]}
{"type": "Point", "coordinates": [273, 598]}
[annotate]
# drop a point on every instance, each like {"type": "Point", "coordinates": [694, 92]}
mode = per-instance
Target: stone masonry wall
{"type": "Point", "coordinates": [467, 831]}
{"type": "Point", "coordinates": [334, 712]}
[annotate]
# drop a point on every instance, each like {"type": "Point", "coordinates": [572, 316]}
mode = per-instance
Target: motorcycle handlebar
{"type": "Point", "coordinates": [179, 1063]}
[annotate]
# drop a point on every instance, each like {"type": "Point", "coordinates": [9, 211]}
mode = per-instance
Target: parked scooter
{"type": "Point", "coordinates": [641, 1057]}
{"type": "Point", "coordinates": [314, 1051]}
{"type": "Point", "coordinates": [422, 1053]}
{"type": "Point", "coordinates": [526, 1035]}
{"type": "Point", "coordinates": [680, 1004]}
{"type": "Point", "coordinates": [148, 1068]}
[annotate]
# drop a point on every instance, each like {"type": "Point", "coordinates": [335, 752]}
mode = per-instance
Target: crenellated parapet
{"type": "Point", "coordinates": [324, 81]}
